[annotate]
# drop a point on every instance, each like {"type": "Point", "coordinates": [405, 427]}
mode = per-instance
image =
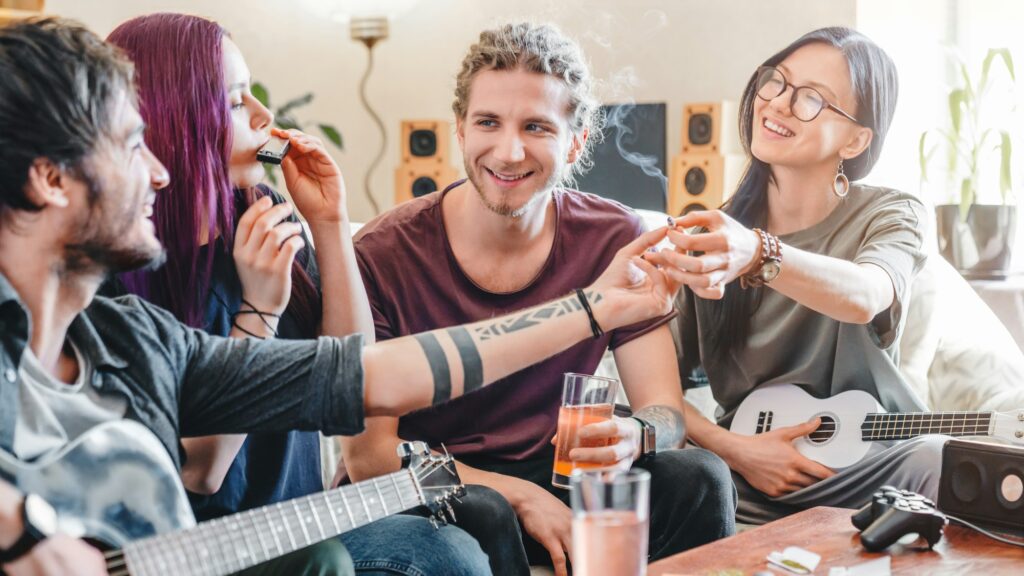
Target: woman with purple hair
{"type": "Point", "coordinates": [239, 264]}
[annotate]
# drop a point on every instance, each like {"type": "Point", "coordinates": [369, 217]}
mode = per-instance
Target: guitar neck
{"type": "Point", "coordinates": [242, 540]}
{"type": "Point", "coordinates": [903, 425]}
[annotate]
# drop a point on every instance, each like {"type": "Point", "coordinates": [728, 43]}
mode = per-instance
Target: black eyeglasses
{"type": "Point", "coordinates": [805, 102]}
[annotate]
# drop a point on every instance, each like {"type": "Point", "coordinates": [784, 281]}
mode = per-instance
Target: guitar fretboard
{"type": "Point", "coordinates": [239, 541]}
{"type": "Point", "coordinates": [900, 426]}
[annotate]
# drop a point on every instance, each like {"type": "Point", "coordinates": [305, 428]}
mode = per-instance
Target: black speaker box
{"type": "Point", "coordinates": [983, 484]}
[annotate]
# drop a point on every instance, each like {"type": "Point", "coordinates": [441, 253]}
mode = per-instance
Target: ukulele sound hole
{"type": "Point", "coordinates": [825, 432]}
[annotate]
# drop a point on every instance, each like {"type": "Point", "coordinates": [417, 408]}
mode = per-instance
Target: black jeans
{"type": "Point", "coordinates": [693, 502]}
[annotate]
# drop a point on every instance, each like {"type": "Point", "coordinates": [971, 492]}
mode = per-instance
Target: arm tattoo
{"type": "Point", "coordinates": [668, 422]}
{"type": "Point", "coordinates": [535, 317]}
{"type": "Point", "coordinates": [472, 364]}
{"type": "Point", "coordinates": [438, 366]}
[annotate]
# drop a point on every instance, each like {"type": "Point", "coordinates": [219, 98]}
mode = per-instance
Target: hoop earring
{"type": "Point", "coordinates": [841, 185]}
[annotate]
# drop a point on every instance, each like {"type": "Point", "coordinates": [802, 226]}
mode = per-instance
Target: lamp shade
{"type": "Point", "coordinates": [345, 10]}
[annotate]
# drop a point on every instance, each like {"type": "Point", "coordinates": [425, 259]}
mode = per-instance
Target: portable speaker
{"type": "Point", "coordinates": [711, 128]}
{"type": "Point", "coordinates": [702, 181]}
{"type": "Point", "coordinates": [983, 484]}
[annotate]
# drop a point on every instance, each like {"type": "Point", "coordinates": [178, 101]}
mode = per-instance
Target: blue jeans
{"type": "Point", "coordinates": [411, 546]}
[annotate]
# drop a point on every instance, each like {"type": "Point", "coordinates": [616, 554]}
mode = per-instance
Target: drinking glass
{"type": "Point", "coordinates": [610, 511]}
{"type": "Point", "coordinates": [585, 400]}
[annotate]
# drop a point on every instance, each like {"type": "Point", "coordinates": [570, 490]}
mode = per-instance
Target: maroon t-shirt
{"type": "Point", "coordinates": [415, 284]}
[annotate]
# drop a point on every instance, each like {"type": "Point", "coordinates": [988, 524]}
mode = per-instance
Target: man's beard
{"type": "Point", "coordinates": [504, 209]}
{"type": "Point", "coordinates": [98, 245]}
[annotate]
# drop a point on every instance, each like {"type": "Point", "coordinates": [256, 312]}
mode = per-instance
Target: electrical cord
{"type": "Point", "coordinates": [992, 535]}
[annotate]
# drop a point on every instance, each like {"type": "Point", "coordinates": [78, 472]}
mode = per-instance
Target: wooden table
{"type": "Point", "coordinates": [828, 532]}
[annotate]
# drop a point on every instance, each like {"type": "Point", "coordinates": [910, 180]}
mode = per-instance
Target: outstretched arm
{"type": "Point", "coordinates": [416, 371]}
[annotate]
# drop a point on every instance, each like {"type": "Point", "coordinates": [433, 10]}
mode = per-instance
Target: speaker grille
{"type": "Point", "coordinates": [695, 180]}
{"type": "Point", "coordinates": [422, 186]}
{"type": "Point", "coordinates": [422, 143]}
{"type": "Point", "coordinates": [700, 129]}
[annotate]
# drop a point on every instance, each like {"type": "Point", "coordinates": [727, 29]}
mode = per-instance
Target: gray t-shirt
{"type": "Point", "coordinates": [52, 413]}
{"type": "Point", "coordinates": [792, 344]}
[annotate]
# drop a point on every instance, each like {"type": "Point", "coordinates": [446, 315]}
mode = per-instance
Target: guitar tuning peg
{"type": "Point", "coordinates": [434, 523]}
{"type": "Point", "coordinates": [451, 511]}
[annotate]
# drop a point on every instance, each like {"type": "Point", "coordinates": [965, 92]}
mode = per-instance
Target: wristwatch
{"type": "Point", "coordinates": [40, 521]}
{"type": "Point", "coordinates": [648, 439]}
{"type": "Point", "coordinates": [770, 264]}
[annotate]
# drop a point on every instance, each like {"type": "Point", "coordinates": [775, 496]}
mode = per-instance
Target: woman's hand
{"type": "Point", "coordinates": [729, 250]}
{"type": "Point", "coordinates": [265, 247]}
{"type": "Point", "coordinates": [313, 179]}
{"type": "Point", "coordinates": [632, 288]}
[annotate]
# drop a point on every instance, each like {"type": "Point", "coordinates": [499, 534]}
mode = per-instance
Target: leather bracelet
{"type": "Point", "coordinates": [595, 328]}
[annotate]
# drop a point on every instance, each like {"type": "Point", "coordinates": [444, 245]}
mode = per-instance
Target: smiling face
{"type": "Point", "coordinates": [780, 139]}
{"type": "Point", "coordinates": [113, 195]}
{"type": "Point", "coordinates": [516, 140]}
{"type": "Point", "coordinates": [250, 120]}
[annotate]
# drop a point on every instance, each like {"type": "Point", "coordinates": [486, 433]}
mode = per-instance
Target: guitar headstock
{"type": "Point", "coordinates": [1010, 426]}
{"type": "Point", "coordinates": [435, 477]}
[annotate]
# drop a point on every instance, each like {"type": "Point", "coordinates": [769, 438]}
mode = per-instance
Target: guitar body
{"type": "Point", "coordinates": [779, 405]}
{"type": "Point", "coordinates": [113, 484]}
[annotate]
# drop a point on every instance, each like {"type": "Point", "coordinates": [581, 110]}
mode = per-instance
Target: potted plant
{"type": "Point", "coordinates": [976, 238]}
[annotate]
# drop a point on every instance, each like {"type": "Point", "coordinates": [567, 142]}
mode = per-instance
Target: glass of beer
{"type": "Point", "coordinates": [585, 400]}
{"type": "Point", "coordinates": [609, 522]}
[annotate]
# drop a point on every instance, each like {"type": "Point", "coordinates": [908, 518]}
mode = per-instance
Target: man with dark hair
{"type": "Point", "coordinates": [77, 183]}
{"type": "Point", "coordinates": [510, 236]}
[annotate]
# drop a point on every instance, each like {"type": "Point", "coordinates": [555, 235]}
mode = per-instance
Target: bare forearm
{"type": "Point", "coordinates": [11, 526]}
{"type": "Point", "coordinates": [848, 292]}
{"type": "Point", "coordinates": [430, 368]}
{"type": "Point", "coordinates": [346, 309]}
{"type": "Point", "coordinates": [513, 489]}
{"type": "Point", "coordinates": [208, 461]}
{"type": "Point", "coordinates": [669, 425]}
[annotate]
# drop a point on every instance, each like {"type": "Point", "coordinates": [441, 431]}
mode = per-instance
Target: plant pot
{"type": "Point", "coordinates": [981, 247]}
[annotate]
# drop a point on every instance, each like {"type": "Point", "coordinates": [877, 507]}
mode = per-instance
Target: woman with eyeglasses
{"type": "Point", "coordinates": [803, 278]}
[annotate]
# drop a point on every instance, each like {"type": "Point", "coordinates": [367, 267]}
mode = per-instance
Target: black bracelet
{"type": "Point", "coordinates": [262, 315]}
{"type": "Point", "coordinates": [594, 326]}
{"type": "Point", "coordinates": [253, 334]}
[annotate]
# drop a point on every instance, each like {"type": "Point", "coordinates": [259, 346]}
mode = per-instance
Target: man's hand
{"type": "Point", "coordinates": [548, 521]}
{"type": "Point", "coordinates": [59, 555]}
{"type": "Point", "coordinates": [771, 464]}
{"type": "Point", "coordinates": [633, 289]}
{"type": "Point", "coordinates": [622, 437]}
{"type": "Point", "coordinates": [313, 178]}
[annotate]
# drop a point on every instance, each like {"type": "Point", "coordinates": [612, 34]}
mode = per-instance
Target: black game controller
{"type": "Point", "coordinates": [895, 513]}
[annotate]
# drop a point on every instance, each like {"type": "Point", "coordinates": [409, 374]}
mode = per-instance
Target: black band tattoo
{"type": "Point", "coordinates": [670, 428]}
{"type": "Point", "coordinates": [438, 366]}
{"type": "Point", "coordinates": [536, 316]}
{"type": "Point", "coordinates": [472, 364]}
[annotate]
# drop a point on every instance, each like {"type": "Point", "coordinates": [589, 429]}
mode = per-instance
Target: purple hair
{"type": "Point", "coordinates": [182, 98]}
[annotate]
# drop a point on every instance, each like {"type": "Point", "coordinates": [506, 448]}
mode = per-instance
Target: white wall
{"type": "Point", "coordinates": [646, 50]}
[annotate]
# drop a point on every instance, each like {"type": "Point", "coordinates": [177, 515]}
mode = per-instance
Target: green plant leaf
{"type": "Point", "coordinates": [295, 103]}
{"type": "Point", "coordinates": [286, 122]}
{"type": "Point", "coordinates": [924, 157]}
{"type": "Point", "coordinates": [1005, 176]}
{"type": "Point", "coordinates": [986, 65]}
{"type": "Point", "coordinates": [957, 100]}
{"type": "Point", "coordinates": [966, 198]}
{"type": "Point", "coordinates": [259, 92]}
{"type": "Point", "coordinates": [332, 134]}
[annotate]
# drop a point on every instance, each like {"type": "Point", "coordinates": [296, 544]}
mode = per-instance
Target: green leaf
{"type": "Point", "coordinates": [259, 92]}
{"type": "Point", "coordinates": [286, 123]}
{"type": "Point", "coordinates": [957, 100]}
{"type": "Point", "coordinates": [986, 65]}
{"type": "Point", "coordinates": [295, 103]}
{"type": "Point", "coordinates": [1005, 176]}
{"type": "Point", "coordinates": [924, 157]}
{"type": "Point", "coordinates": [966, 198]}
{"type": "Point", "coordinates": [332, 134]}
